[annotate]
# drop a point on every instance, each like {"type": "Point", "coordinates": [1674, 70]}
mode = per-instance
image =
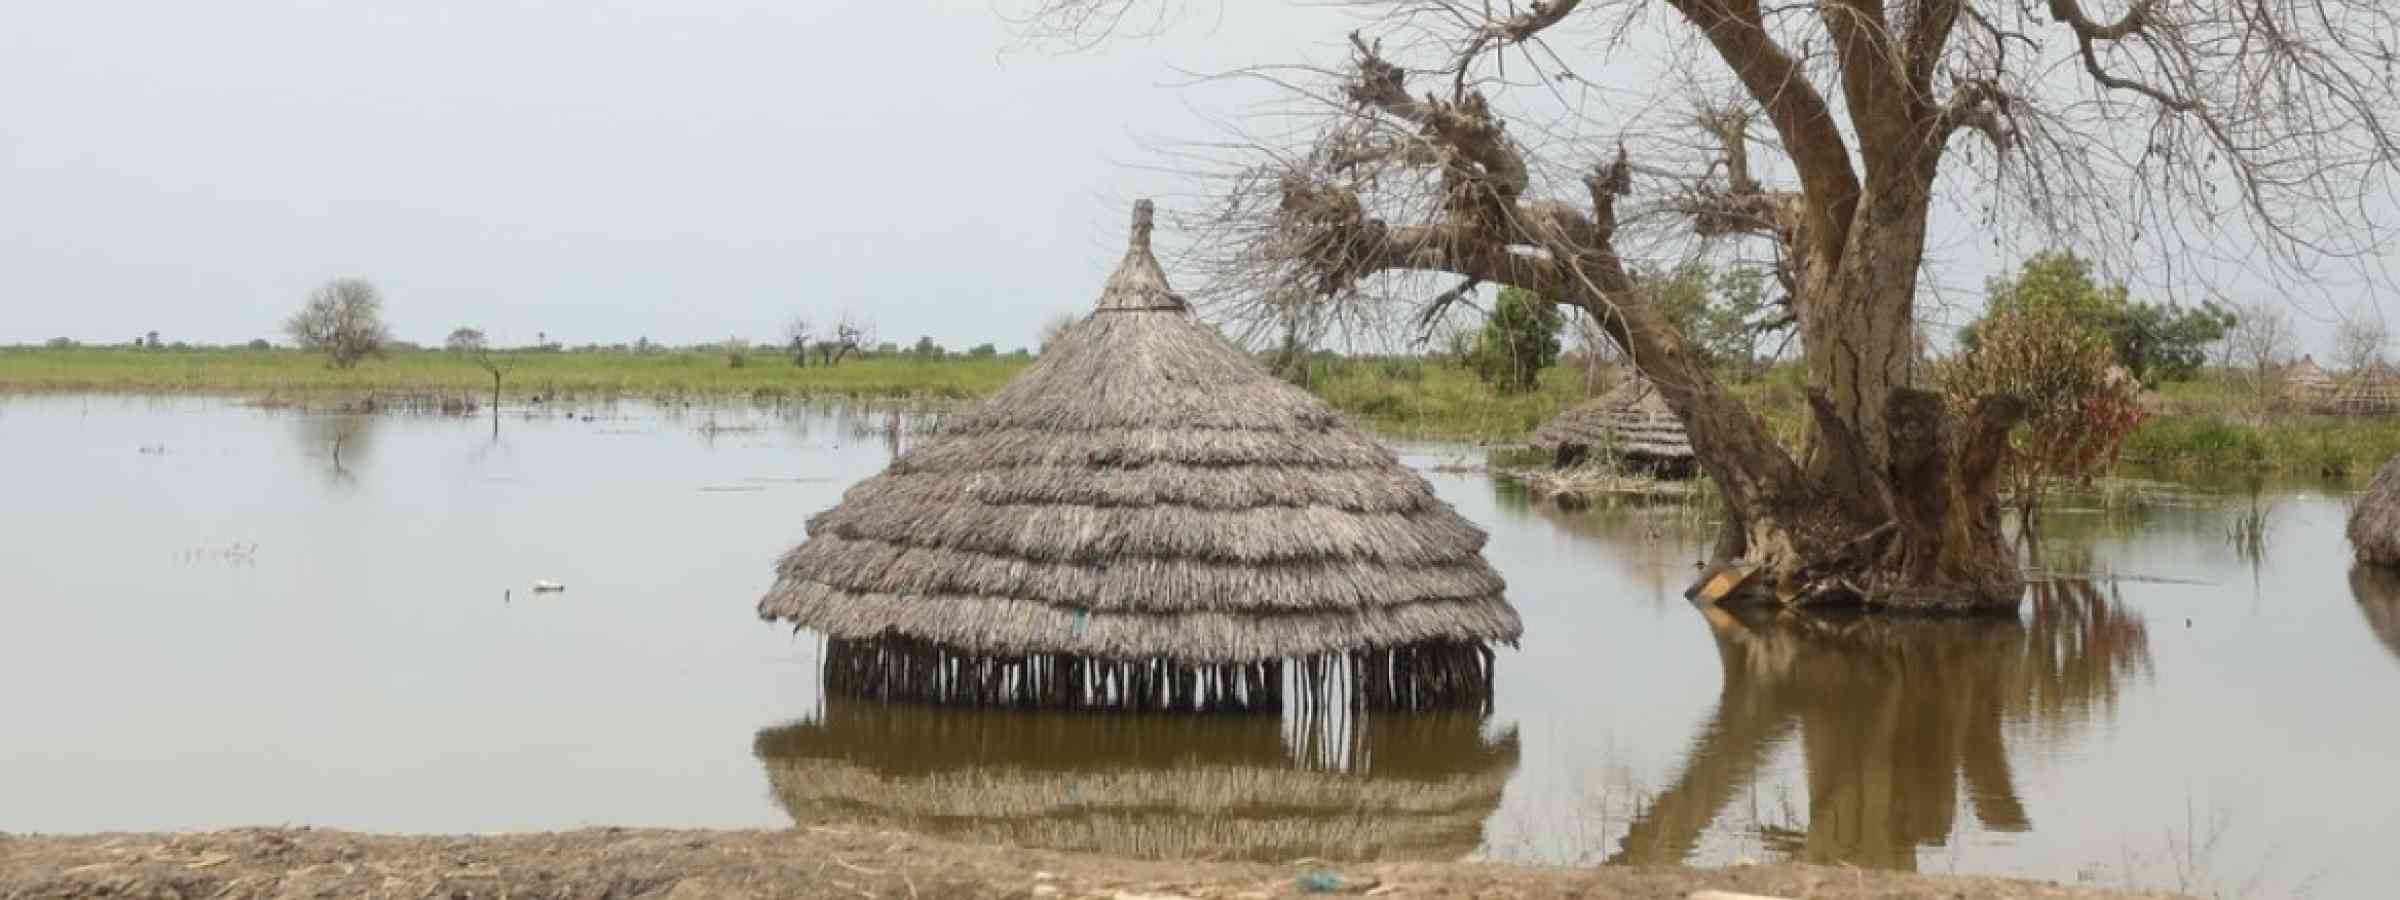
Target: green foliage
{"type": "Point", "coordinates": [925, 348]}
{"type": "Point", "coordinates": [1721, 315]}
{"type": "Point", "coordinates": [2080, 412]}
{"type": "Point", "coordinates": [2156, 342]}
{"type": "Point", "coordinates": [983, 350]}
{"type": "Point", "coordinates": [1519, 340]}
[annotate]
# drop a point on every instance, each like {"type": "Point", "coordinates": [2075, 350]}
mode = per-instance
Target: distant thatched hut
{"type": "Point", "coordinates": [1146, 519]}
{"type": "Point", "coordinates": [1631, 422]}
{"type": "Point", "coordinates": [2370, 391]}
{"type": "Point", "coordinates": [1244, 787]}
{"type": "Point", "coordinates": [2307, 383]}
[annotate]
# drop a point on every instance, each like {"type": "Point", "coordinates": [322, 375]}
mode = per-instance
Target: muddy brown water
{"type": "Point", "coordinates": [215, 619]}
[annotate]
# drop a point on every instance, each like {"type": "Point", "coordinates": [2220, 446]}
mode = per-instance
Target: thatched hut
{"type": "Point", "coordinates": [1146, 519]}
{"type": "Point", "coordinates": [1631, 422]}
{"type": "Point", "coordinates": [2307, 383]}
{"type": "Point", "coordinates": [2375, 518]}
{"type": "Point", "coordinates": [1246, 787]}
{"type": "Point", "coordinates": [2370, 391]}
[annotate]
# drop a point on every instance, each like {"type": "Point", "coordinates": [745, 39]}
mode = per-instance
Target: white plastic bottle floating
{"type": "Point", "coordinates": [546, 586]}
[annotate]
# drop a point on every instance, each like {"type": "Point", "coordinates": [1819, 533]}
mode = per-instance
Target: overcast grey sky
{"type": "Point", "coordinates": [602, 171]}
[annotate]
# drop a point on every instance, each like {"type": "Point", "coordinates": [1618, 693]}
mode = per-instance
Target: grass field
{"type": "Point", "coordinates": [662, 374]}
{"type": "Point", "coordinates": [2212, 426]}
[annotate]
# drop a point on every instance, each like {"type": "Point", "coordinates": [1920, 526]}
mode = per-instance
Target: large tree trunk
{"type": "Point", "coordinates": [1895, 501]}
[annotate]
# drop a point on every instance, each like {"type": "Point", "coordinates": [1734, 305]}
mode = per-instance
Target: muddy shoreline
{"type": "Point", "coordinates": [833, 862]}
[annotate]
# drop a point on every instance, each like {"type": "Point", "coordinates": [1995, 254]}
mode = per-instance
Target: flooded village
{"type": "Point", "coordinates": [1864, 448]}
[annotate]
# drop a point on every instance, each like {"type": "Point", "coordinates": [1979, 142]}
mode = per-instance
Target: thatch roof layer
{"type": "Point", "coordinates": [1631, 419]}
{"type": "Point", "coordinates": [2375, 519]}
{"type": "Point", "coordinates": [2305, 380]}
{"type": "Point", "coordinates": [1145, 490]}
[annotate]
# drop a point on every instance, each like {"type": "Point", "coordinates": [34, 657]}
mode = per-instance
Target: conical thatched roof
{"type": "Point", "coordinates": [1145, 785]}
{"type": "Point", "coordinates": [2369, 391]}
{"type": "Point", "coordinates": [2375, 518]}
{"type": "Point", "coordinates": [1631, 420]}
{"type": "Point", "coordinates": [2307, 381]}
{"type": "Point", "coordinates": [1144, 491]}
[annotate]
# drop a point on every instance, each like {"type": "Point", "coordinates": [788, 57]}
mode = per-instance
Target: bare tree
{"type": "Point", "coordinates": [343, 319]}
{"type": "Point", "coordinates": [2262, 341]}
{"type": "Point", "coordinates": [850, 332]}
{"type": "Point", "coordinates": [1464, 143]}
{"type": "Point", "coordinates": [2360, 341]}
{"type": "Point", "coordinates": [796, 334]}
{"type": "Point", "coordinates": [471, 342]}
{"type": "Point", "coordinates": [1056, 325]}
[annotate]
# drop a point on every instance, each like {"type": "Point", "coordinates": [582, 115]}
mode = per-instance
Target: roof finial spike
{"type": "Point", "coordinates": [1141, 225]}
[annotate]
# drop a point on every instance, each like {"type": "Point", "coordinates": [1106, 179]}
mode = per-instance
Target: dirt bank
{"type": "Point", "coordinates": [822, 862]}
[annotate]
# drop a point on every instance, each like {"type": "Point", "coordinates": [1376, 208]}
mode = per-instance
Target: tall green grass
{"type": "Point", "coordinates": [534, 372]}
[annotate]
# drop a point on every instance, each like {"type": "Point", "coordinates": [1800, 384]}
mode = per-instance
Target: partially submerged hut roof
{"type": "Point", "coordinates": [1145, 785]}
{"type": "Point", "coordinates": [2375, 519]}
{"type": "Point", "coordinates": [1144, 491]}
{"type": "Point", "coordinates": [1631, 419]}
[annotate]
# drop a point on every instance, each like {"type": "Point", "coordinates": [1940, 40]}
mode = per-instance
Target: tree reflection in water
{"type": "Point", "coordinates": [2377, 590]}
{"type": "Point", "coordinates": [1892, 716]}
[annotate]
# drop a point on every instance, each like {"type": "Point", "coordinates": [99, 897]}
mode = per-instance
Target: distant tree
{"type": "Point", "coordinates": [983, 350]}
{"type": "Point", "coordinates": [2360, 341]}
{"type": "Point", "coordinates": [464, 340]}
{"type": "Point", "coordinates": [737, 352]}
{"type": "Point", "coordinates": [60, 343]}
{"type": "Point", "coordinates": [343, 319]}
{"type": "Point", "coordinates": [796, 335]}
{"type": "Point", "coordinates": [1057, 325]}
{"type": "Point", "coordinates": [152, 341]}
{"type": "Point", "coordinates": [1724, 315]}
{"type": "Point", "coordinates": [2261, 341]}
{"type": "Point", "coordinates": [643, 345]}
{"type": "Point", "coordinates": [260, 344]}
{"type": "Point", "coordinates": [2156, 342]}
{"type": "Point", "coordinates": [850, 332]}
{"type": "Point", "coordinates": [2079, 411]}
{"type": "Point", "coordinates": [926, 348]}
{"type": "Point", "coordinates": [1519, 338]}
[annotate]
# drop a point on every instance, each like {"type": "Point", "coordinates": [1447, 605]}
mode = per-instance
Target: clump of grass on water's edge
{"type": "Point", "coordinates": [2332, 446]}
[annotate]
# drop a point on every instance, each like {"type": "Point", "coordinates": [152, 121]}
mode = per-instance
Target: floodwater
{"type": "Point", "coordinates": [219, 615]}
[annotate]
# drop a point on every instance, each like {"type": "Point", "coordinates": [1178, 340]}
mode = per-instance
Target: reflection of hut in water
{"type": "Point", "coordinates": [1892, 715]}
{"type": "Point", "coordinates": [1249, 787]}
{"type": "Point", "coordinates": [1631, 423]}
{"type": "Point", "coordinates": [2377, 591]}
{"type": "Point", "coordinates": [1145, 519]}
{"type": "Point", "coordinates": [2307, 383]}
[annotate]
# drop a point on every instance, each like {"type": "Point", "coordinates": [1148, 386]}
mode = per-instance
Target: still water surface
{"type": "Point", "coordinates": [215, 618]}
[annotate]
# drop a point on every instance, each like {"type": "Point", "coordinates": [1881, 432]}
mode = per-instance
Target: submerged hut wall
{"type": "Point", "coordinates": [1146, 519]}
